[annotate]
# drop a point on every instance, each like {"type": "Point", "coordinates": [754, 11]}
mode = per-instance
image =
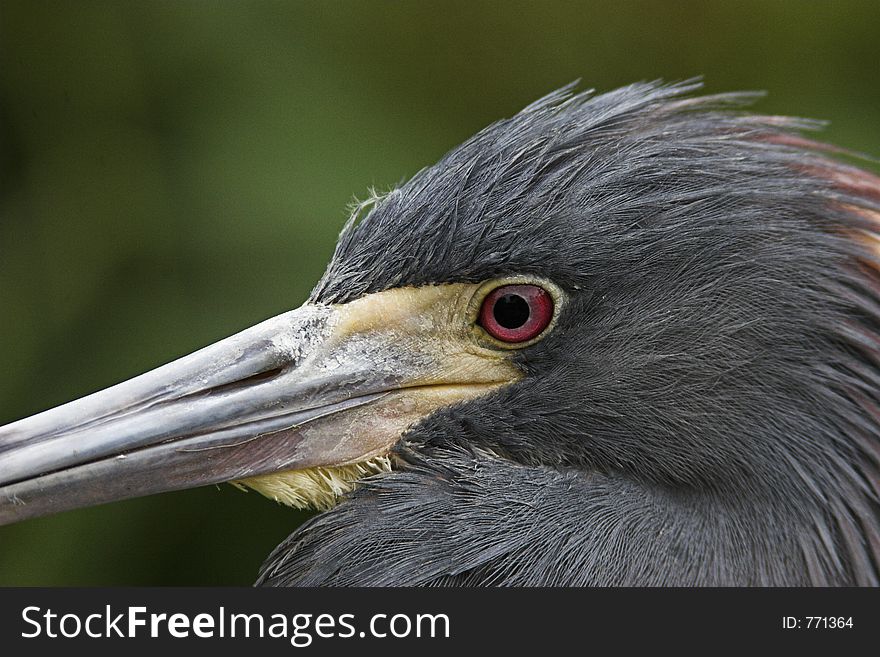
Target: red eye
{"type": "Point", "coordinates": [516, 313]}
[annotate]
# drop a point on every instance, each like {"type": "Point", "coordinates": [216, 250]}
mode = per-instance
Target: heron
{"type": "Point", "coordinates": [628, 338]}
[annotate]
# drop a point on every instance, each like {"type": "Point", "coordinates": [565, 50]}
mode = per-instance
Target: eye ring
{"type": "Point", "coordinates": [516, 313]}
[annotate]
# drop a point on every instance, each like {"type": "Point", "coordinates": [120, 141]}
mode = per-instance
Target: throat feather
{"type": "Point", "coordinates": [319, 487]}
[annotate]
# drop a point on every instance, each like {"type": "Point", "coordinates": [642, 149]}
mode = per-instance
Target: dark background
{"type": "Point", "coordinates": [173, 172]}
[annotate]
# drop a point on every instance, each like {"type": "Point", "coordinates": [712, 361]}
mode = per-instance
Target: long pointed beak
{"type": "Point", "coordinates": [317, 386]}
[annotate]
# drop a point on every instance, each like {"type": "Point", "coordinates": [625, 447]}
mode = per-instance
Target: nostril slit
{"type": "Point", "coordinates": [259, 377]}
{"type": "Point", "coordinates": [254, 379]}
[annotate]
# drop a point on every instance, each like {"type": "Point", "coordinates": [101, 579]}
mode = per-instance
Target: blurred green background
{"type": "Point", "coordinates": [173, 172]}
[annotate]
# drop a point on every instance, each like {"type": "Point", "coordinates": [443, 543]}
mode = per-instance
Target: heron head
{"type": "Point", "coordinates": [640, 284]}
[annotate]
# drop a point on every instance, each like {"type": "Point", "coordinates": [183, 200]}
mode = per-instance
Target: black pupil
{"type": "Point", "coordinates": [511, 311]}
